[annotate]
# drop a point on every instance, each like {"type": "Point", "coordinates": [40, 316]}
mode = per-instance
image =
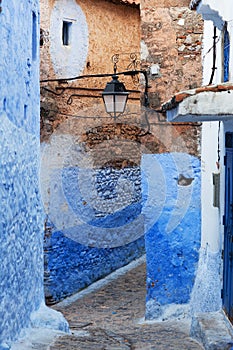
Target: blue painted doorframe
{"type": "Point", "coordinates": [228, 229]}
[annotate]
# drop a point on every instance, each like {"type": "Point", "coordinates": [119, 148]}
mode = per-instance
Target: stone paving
{"type": "Point", "coordinates": [111, 318]}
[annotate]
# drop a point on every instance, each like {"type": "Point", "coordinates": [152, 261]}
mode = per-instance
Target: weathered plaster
{"type": "Point", "coordinates": [21, 213]}
{"type": "Point", "coordinates": [206, 294]}
{"type": "Point", "coordinates": [211, 10]}
{"type": "Point", "coordinates": [96, 206]}
{"type": "Point", "coordinates": [68, 61]}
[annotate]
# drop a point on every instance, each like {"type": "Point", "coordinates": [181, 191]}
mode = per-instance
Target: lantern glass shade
{"type": "Point", "coordinates": [115, 97]}
{"type": "Point", "coordinates": [115, 103]}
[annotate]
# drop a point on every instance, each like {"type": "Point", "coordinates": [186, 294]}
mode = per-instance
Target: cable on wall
{"type": "Point", "coordinates": [214, 56]}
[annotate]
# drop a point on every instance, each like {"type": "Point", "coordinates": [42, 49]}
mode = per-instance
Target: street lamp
{"type": "Point", "coordinates": [115, 97]}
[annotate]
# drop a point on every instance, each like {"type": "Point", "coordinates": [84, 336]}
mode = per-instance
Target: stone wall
{"type": "Point", "coordinates": [171, 39]}
{"type": "Point", "coordinates": [171, 43]}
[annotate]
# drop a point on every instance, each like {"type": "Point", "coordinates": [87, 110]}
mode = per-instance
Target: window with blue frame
{"type": "Point", "coordinates": [226, 54]}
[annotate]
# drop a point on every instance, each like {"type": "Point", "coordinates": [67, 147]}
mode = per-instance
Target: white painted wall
{"type": "Point", "coordinates": [210, 214]}
{"type": "Point", "coordinates": [212, 228]}
{"type": "Point", "coordinates": [206, 294]}
{"type": "Point", "coordinates": [68, 61]}
{"type": "Point", "coordinates": [212, 217]}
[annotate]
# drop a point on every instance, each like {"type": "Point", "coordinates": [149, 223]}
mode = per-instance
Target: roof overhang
{"type": "Point", "coordinates": [210, 11]}
{"type": "Point", "coordinates": [210, 103]}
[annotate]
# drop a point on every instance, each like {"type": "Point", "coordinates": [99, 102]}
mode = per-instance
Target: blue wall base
{"type": "Point", "coordinates": [157, 312]}
{"type": "Point", "coordinates": [71, 267]}
{"type": "Point", "coordinates": [49, 318]}
{"type": "Point", "coordinates": [45, 325]}
{"type": "Point", "coordinates": [206, 294]}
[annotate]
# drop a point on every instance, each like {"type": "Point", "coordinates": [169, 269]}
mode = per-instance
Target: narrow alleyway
{"type": "Point", "coordinates": [111, 318]}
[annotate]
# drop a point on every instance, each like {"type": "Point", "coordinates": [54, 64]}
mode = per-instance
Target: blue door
{"type": "Point", "coordinates": [228, 229]}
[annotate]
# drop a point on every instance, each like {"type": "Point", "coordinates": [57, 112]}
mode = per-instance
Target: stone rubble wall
{"type": "Point", "coordinates": [171, 38]}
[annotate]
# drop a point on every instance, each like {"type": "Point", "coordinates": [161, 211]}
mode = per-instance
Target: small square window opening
{"type": "Point", "coordinates": [66, 33]}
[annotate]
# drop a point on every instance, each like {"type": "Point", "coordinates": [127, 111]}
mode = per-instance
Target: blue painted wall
{"type": "Point", "coordinates": [171, 192]}
{"type": "Point", "coordinates": [107, 232]}
{"type": "Point", "coordinates": [21, 220]}
{"type": "Point", "coordinates": [71, 266]}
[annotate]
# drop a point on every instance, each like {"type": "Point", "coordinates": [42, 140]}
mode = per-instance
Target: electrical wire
{"type": "Point", "coordinates": [211, 48]}
{"type": "Point", "coordinates": [84, 116]}
{"type": "Point", "coordinates": [214, 56]}
{"type": "Point", "coordinates": [125, 115]}
{"type": "Point", "coordinates": [87, 76]}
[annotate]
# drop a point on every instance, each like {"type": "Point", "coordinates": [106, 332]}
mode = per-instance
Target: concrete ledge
{"type": "Point", "coordinates": [213, 330]}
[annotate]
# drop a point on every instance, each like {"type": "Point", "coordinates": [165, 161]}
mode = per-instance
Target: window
{"type": "Point", "coordinates": [226, 54]}
{"type": "Point", "coordinates": [66, 33]}
{"type": "Point", "coordinates": [41, 37]}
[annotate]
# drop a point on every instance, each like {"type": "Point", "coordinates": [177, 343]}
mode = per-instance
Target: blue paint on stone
{"type": "Point", "coordinates": [72, 266]}
{"type": "Point", "coordinates": [208, 283]}
{"type": "Point", "coordinates": [107, 214]}
{"type": "Point", "coordinates": [119, 218]}
{"type": "Point", "coordinates": [20, 90]}
{"type": "Point", "coordinates": [99, 202]}
{"type": "Point", "coordinates": [172, 255]}
{"type": "Point", "coordinates": [21, 224]}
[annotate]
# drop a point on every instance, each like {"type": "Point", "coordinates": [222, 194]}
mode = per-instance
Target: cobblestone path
{"type": "Point", "coordinates": [109, 319]}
